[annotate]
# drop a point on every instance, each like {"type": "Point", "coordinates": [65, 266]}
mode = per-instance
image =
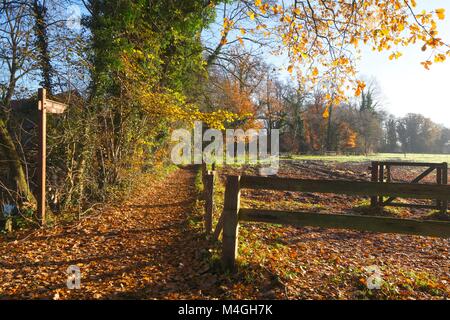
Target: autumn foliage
{"type": "Point", "coordinates": [322, 38]}
{"type": "Point", "coordinates": [139, 71]}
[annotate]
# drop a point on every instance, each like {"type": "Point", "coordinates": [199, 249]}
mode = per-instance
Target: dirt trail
{"type": "Point", "coordinates": [148, 248]}
{"type": "Point", "coordinates": [139, 249]}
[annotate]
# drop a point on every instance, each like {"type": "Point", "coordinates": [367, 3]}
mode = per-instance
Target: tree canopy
{"type": "Point", "coordinates": [322, 38]}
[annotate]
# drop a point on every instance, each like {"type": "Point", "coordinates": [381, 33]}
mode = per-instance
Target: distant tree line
{"type": "Point", "coordinates": [246, 85]}
{"type": "Point", "coordinates": [414, 133]}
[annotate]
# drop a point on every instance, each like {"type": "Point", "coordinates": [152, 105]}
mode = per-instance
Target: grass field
{"type": "Point", "coordinates": [412, 157]}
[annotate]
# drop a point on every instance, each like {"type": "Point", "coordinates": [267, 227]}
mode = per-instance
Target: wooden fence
{"type": "Point", "coordinates": [381, 171]}
{"type": "Point", "coordinates": [233, 214]}
{"type": "Point", "coordinates": [208, 180]}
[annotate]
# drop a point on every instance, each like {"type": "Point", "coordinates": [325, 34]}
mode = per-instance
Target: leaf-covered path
{"type": "Point", "coordinates": [151, 247]}
{"type": "Point", "coordinates": [141, 248]}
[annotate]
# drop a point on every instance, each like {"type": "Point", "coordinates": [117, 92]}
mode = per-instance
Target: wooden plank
{"type": "Point", "coordinates": [42, 155]}
{"type": "Point", "coordinates": [423, 174]}
{"type": "Point", "coordinates": [361, 188]}
{"type": "Point", "coordinates": [381, 179]}
{"type": "Point", "coordinates": [444, 204]}
{"type": "Point", "coordinates": [204, 172]}
{"type": "Point", "coordinates": [207, 218]}
{"type": "Point", "coordinates": [341, 221]}
{"type": "Point", "coordinates": [416, 180]}
{"type": "Point", "coordinates": [55, 107]}
{"type": "Point", "coordinates": [439, 182]}
{"type": "Point", "coordinates": [409, 164]}
{"type": "Point", "coordinates": [231, 223]}
{"type": "Point", "coordinates": [388, 173]}
{"type": "Point", "coordinates": [374, 178]}
{"type": "Point", "coordinates": [209, 201]}
{"type": "Point", "coordinates": [219, 228]}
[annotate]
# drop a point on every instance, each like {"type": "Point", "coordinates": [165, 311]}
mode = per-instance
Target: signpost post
{"type": "Point", "coordinates": [44, 106]}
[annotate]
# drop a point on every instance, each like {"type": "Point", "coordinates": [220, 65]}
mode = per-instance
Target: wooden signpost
{"type": "Point", "coordinates": [44, 106]}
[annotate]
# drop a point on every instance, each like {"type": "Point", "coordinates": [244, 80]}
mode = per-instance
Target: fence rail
{"type": "Point", "coordinates": [346, 221]}
{"type": "Point", "coordinates": [232, 212]}
{"type": "Point", "coordinates": [357, 188]}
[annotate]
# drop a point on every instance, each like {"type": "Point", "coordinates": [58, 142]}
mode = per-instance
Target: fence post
{"type": "Point", "coordinates": [231, 223]}
{"type": "Point", "coordinates": [439, 175]}
{"type": "Point", "coordinates": [209, 200]}
{"type": "Point", "coordinates": [381, 179]}
{"type": "Point", "coordinates": [374, 178]}
{"type": "Point", "coordinates": [204, 173]}
{"type": "Point", "coordinates": [388, 173]}
{"type": "Point", "coordinates": [42, 154]}
{"type": "Point", "coordinates": [444, 204]}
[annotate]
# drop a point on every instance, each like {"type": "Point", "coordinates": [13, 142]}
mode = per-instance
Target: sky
{"type": "Point", "coordinates": [406, 85]}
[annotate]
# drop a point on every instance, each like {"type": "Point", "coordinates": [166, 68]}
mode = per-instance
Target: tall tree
{"type": "Point", "coordinates": [42, 45]}
{"type": "Point", "coordinates": [391, 135]}
{"type": "Point", "coordinates": [145, 77]}
{"type": "Point", "coordinates": [16, 62]}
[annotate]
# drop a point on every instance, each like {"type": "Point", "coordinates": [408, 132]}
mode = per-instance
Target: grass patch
{"type": "Point", "coordinates": [392, 287]}
{"type": "Point", "coordinates": [363, 207]}
{"type": "Point", "coordinates": [422, 281]}
{"type": "Point", "coordinates": [289, 205]}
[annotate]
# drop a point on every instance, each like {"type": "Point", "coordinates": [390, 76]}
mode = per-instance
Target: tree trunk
{"type": "Point", "coordinates": [18, 178]}
{"type": "Point", "coordinates": [40, 30]}
{"type": "Point", "coordinates": [328, 143]}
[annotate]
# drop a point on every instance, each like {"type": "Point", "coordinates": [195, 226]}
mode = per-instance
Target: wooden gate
{"type": "Point", "coordinates": [381, 172]}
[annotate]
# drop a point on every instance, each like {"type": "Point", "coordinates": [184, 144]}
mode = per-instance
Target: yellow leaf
{"type": "Point", "coordinates": [440, 13]}
{"type": "Point", "coordinates": [326, 113]}
{"type": "Point", "coordinates": [354, 41]}
{"type": "Point", "coordinates": [251, 15]}
{"type": "Point", "coordinates": [426, 64]}
{"type": "Point", "coordinates": [277, 9]}
{"type": "Point", "coordinates": [290, 68]}
{"type": "Point", "coordinates": [440, 58]}
{"type": "Point", "coordinates": [315, 72]}
{"type": "Point", "coordinates": [395, 55]}
{"type": "Point", "coordinates": [359, 89]}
